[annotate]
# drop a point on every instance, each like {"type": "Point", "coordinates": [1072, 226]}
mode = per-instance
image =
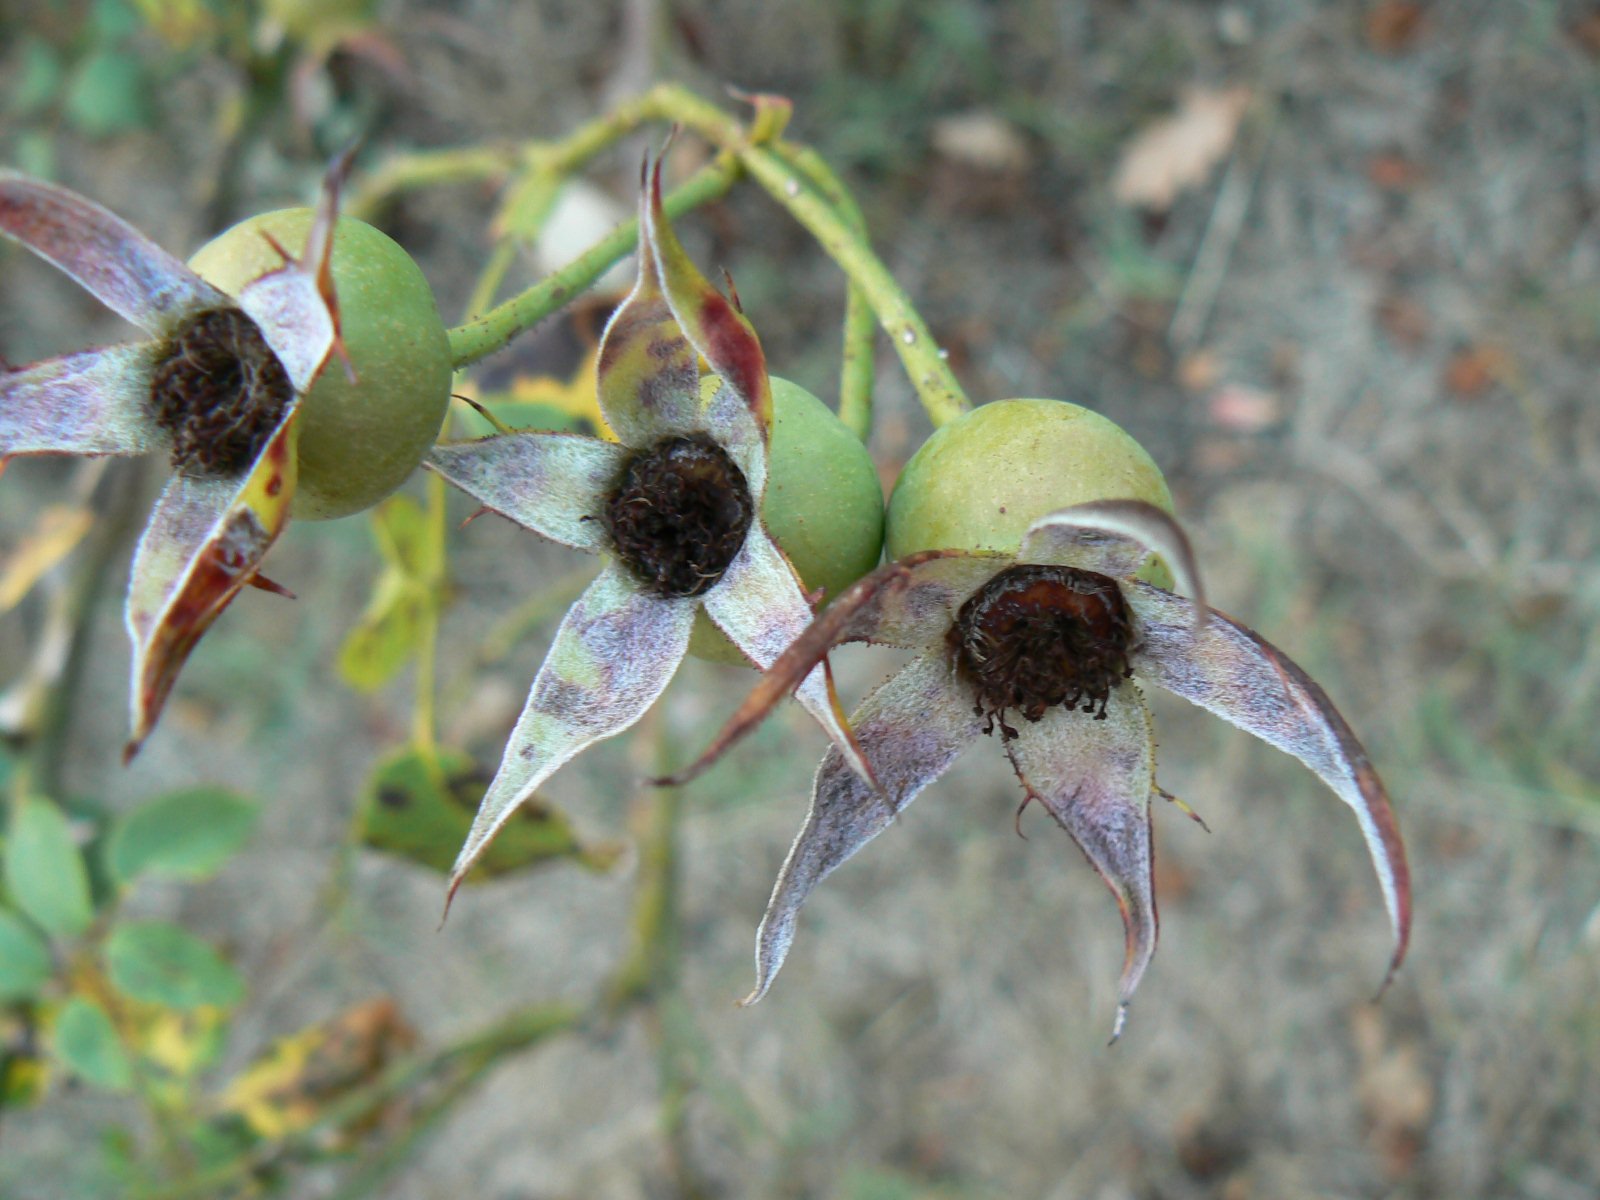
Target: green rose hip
{"type": "Point", "coordinates": [823, 505]}
{"type": "Point", "coordinates": [981, 480]}
{"type": "Point", "coordinates": [358, 441]}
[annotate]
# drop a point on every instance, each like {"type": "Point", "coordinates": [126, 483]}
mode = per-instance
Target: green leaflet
{"type": "Point", "coordinates": [86, 1042]}
{"type": "Point", "coordinates": [184, 835]}
{"type": "Point", "coordinates": [24, 959]}
{"type": "Point", "coordinates": [162, 964]}
{"type": "Point", "coordinates": [44, 872]}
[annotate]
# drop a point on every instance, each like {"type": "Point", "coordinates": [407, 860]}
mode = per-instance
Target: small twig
{"type": "Point", "coordinates": [857, 371]}
{"type": "Point", "coordinates": [494, 329]}
{"type": "Point", "coordinates": [1221, 237]}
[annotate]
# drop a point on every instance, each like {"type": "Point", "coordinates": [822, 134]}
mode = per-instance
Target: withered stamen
{"type": "Point", "coordinates": [218, 391]}
{"type": "Point", "coordinates": [679, 514]}
{"type": "Point", "coordinates": [1035, 636]}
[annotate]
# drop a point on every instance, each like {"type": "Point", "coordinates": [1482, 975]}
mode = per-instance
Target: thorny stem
{"type": "Point", "coordinates": [428, 168]}
{"type": "Point", "coordinates": [856, 371]}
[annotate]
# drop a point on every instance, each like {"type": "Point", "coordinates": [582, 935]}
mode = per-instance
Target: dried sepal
{"type": "Point", "coordinates": [90, 402]}
{"type": "Point", "coordinates": [714, 326]}
{"type": "Point", "coordinates": [123, 269]}
{"type": "Point", "coordinates": [1231, 671]}
{"type": "Point", "coordinates": [648, 375]}
{"type": "Point", "coordinates": [203, 543]}
{"type": "Point", "coordinates": [911, 729]}
{"type": "Point", "coordinates": [1096, 778]}
{"type": "Point", "coordinates": [613, 654]}
{"type": "Point", "coordinates": [295, 305]}
{"type": "Point", "coordinates": [910, 603]}
{"type": "Point", "coordinates": [552, 483]}
{"type": "Point", "coordinates": [1114, 537]}
{"type": "Point", "coordinates": [759, 605]}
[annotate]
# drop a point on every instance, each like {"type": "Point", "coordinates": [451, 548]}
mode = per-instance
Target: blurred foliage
{"type": "Point", "coordinates": [420, 804]}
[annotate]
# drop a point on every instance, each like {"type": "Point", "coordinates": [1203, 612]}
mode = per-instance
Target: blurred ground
{"type": "Point", "coordinates": [1363, 348]}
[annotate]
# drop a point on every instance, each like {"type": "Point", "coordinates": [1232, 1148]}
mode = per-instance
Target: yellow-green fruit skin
{"type": "Point", "coordinates": [360, 441]}
{"type": "Point", "coordinates": [823, 504]}
{"type": "Point", "coordinates": [981, 480]}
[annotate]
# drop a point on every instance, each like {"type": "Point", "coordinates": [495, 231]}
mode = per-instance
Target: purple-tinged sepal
{"type": "Point", "coordinates": [118, 265]}
{"type": "Point", "coordinates": [613, 654]}
{"type": "Point", "coordinates": [91, 402]}
{"type": "Point", "coordinates": [1096, 778]}
{"type": "Point", "coordinates": [1233, 672]}
{"type": "Point", "coordinates": [911, 730]}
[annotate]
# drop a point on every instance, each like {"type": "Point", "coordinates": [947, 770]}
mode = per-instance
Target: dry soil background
{"type": "Point", "coordinates": [1377, 412]}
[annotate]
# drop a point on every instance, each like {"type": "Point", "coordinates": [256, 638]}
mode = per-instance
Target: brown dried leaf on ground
{"type": "Point", "coordinates": [1474, 369]}
{"type": "Point", "coordinates": [1393, 25]}
{"type": "Point", "coordinates": [1179, 151]}
{"type": "Point", "coordinates": [1396, 1092]}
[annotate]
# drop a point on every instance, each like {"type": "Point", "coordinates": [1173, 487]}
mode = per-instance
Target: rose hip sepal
{"type": "Point", "coordinates": [1052, 634]}
{"type": "Point", "coordinates": [675, 506]}
{"type": "Point", "coordinates": [217, 387]}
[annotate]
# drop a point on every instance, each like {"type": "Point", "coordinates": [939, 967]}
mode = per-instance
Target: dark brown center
{"type": "Point", "coordinates": [679, 515]}
{"type": "Point", "coordinates": [1034, 637]}
{"type": "Point", "coordinates": [218, 391]}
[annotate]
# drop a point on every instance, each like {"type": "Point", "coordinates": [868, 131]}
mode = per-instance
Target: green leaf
{"type": "Point", "coordinates": [44, 871]}
{"type": "Point", "coordinates": [108, 95]}
{"type": "Point", "coordinates": [405, 596]}
{"type": "Point", "coordinates": [420, 807]}
{"type": "Point", "coordinates": [162, 964]}
{"type": "Point", "coordinates": [86, 1042]}
{"type": "Point", "coordinates": [185, 835]}
{"type": "Point", "coordinates": [401, 526]}
{"type": "Point", "coordinates": [37, 79]}
{"type": "Point", "coordinates": [387, 636]}
{"type": "Point", "coordinates": [24, 959]}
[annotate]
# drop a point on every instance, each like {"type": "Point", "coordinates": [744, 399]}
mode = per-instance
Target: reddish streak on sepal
{"type": "Point", "coordinates": [731, 350]}
{"type": "Point", "coordinates": [834, 626]}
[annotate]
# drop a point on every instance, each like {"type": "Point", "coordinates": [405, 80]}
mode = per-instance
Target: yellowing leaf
{"type": "Point", "coordinates": [59, 529]}
{"type": "Point", "coordinates": [410, 587]}
{"type": "Point", "coordinates": [421, 809]}
{"type": "Point", "coordinates": [288, 1088]}
{"type": "Point", "coordinates": [1179, 151]}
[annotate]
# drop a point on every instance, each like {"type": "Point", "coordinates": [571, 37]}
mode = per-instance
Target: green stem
{"type": "Point", "coordinates": [424, 721]}
{"type": "Point", "coordinates": [941, 394]}
{"type": "Point", "coordinates": [494, 329]}
{"type": "Point", "coordinates": [472, 1057]}
{"type": "Point", "coordinates": [936, 384]}
{"type": "Point", "coordinates": [857, 371]}
{"type": "Point", "coordinates": [494, 274]}
{"type": "Point", "coordinates": [651, 966]}
{"type": "Point", "coordinates": [429, 168]}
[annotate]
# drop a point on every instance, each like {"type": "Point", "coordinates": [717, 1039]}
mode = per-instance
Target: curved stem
{"type": "Point", "coordinates": [936, 384]}
{"type": "Point", "coordinates": [484, 335]}
{"type": "Point", "coordinates": [856, 370]}
{"type": "Point", "coordinates": [427, 168]}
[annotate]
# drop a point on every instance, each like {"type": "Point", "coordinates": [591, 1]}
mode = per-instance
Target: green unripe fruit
{"type": "Point", "coordinates": [981, 480]}
{"type": "Point", "coordinates": [823, 504]}
{"type": "Point", "coordinates": [358, 442]}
